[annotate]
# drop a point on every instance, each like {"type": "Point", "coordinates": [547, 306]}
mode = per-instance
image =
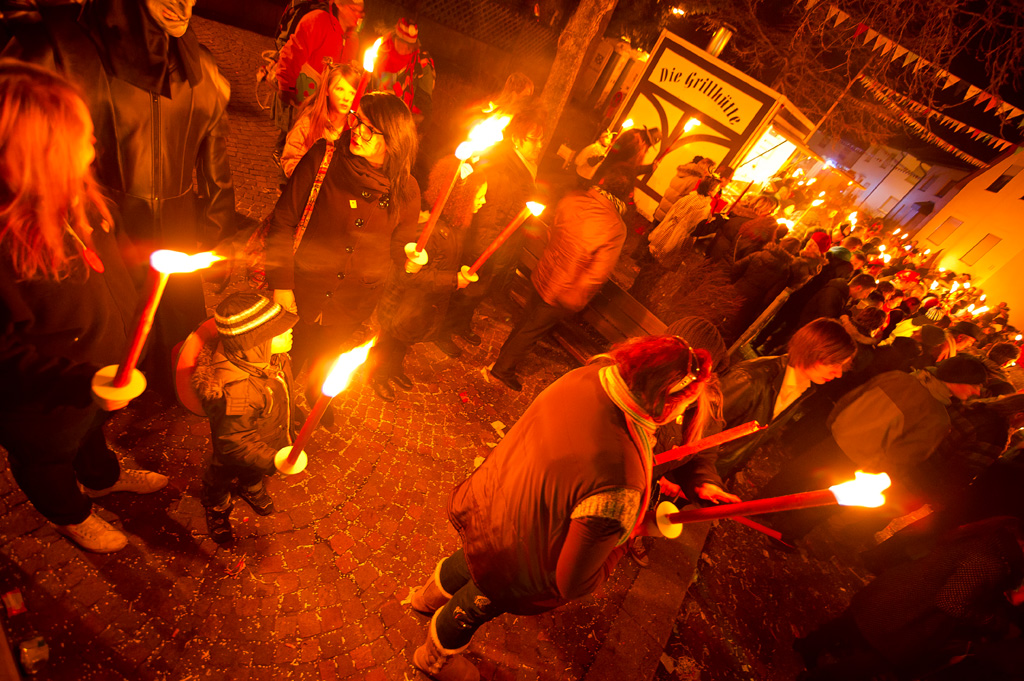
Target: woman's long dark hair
{"type": "Point", "coordinates": [392, 117]}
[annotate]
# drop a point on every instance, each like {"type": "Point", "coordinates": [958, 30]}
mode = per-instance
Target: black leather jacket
{"type": "Point", "coordinates": [158, 116]}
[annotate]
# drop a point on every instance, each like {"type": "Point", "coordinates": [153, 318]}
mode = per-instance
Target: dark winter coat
{"type": "Point", "coordinates": [724, 244]}
{"type": "Point", "coordinates": [912, 612]}
{"type": "Point", "coordinates": [509, 187]}
{"type": "Point", "coordinates": [55, 335]}
{"type": "Point", "coordinates": [757, 279]}
{"type": "Point", "coordinates": [829, 302]}
{"type": "Point", "coordinates": [513, 512]}
{"type": "Point", "coordinates": [892, 422]}
{"type": "Point", "coordinates": [586, 239]}
{"type": "Point", "coordinates": [351, 241]}
{"type": "Point", "coordinates": [413, 305]}
{"type": "Point", "coordinates": [250, 415]}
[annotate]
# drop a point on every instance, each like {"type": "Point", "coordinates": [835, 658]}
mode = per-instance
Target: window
{"type": "Point", "coordinates": [945, 190]}
{"type": "Point", "coordinates": [980, 249]}
{"type": "Point", "coordinates": [942, 232]}
{"type": "Point", "coordinates": [1003, 179]}
{"type": "Point", "coordinates": [927, 182]}
{"type": "Point", "coordinates": [889, 204]}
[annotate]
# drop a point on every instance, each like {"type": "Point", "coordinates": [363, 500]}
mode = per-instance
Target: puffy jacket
{"type": "Point", "coordinates": [250, 416]}
{"type": "Point", "coordinates": [688, 176]}
{"type": "Point", "coordinates": [586, 240]}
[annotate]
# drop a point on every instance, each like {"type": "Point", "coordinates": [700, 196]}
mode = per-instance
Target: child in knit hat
{"type": "Point", "coordinates": [245, 385]}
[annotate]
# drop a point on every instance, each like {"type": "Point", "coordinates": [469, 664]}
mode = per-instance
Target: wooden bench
{"type": "Point", "coordinates": [613, 314]}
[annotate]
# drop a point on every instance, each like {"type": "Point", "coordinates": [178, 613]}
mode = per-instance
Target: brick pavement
{"type": "Point", "coordinates": [314, 591]}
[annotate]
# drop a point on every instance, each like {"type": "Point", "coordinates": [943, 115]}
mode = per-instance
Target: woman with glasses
{"type": "Point", "coordinates": [366, 211]}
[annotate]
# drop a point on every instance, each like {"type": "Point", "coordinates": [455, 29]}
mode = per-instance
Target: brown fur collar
{"type": "Point", "coordinates": [213, 371]}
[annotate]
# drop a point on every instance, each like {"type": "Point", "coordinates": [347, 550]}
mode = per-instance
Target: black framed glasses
{"type": "Point", "coordinates": [361, 128]}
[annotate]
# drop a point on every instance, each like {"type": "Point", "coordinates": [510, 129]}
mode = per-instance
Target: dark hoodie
{"type": "Point", "coordinates": [249, 404]}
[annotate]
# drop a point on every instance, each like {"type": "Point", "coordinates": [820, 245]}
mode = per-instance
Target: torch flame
{"type": "Point", "coordinates": [691, 124]}
{"type": "Point", "coordinates": [811, 181]}
{"type": "Point", "coordinates": [344, 367]}
{"type": "Point", "coordinates": [817, 202]}
{"type": "Point", "coordinates": [981, 310]}
{"type": "Point", "coordinates": [172, 262]}
{"type": "Point", "coordinates": [864, 490]}
{"type": "Point", "coordinates": [488, 132]}
{"type": "Point", "coordinates": [464, 151]}
{"type": "Point", "coordinates": [955, 286]}
{"type": "Point", "coordinates": [627, 124]}
{"type": "Point", "coordinates": [370, 56]}
{"type": "Point", "coordinates": [967, 284]}
{"type": "Point", "coordinates": [934, 285]}
{"type": "Point", "coordinates": [852, 217]}
{"type": "Point", "coordinates": [535, 208]}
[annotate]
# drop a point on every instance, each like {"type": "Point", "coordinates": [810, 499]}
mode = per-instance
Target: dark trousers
{"type": "Point", "coordinates": [469, 608]}
{"type": "Point", "coordinates": [496, 276]}
{"type": "Point", "coordinates": [221, 478]}
{"type": "Point", "coordinates": [842, 639]}
{"type": "Point", "coordinates": [52, 452]}
{"type": "Point", "coordinates": [537, 319]}
{"type": "Point", "coordinates": [388, 355]}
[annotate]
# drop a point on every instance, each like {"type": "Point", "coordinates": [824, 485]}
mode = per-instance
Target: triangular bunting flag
{"type": "Point", "coordinates": [860, 29]}
{"type": "Point", "coordinates": [832, 11]}
{"type": "Point", "coordinates": [870, 35]}
{"type": "Point", "coordinates": [952, 80]}
{"type": "Point", "coordinates": [899, 52]}
{"type": "Point", "coordinates": [972, 91]}
{"type": "Point", "coordinates": [841, 16]}
{"type": "Point", "coordinates": [921, 61]}
{"type": "Point", "coordinates": [991, 104]}
{"type": "Point", "coordinates": [909, 59]}
{"type": "Point", "coordinates": [982, 98]}
{"type": "Point", "coordinates": [811, 3]}
{"type": "Point", "coordinates": [1014, 112]}
{"type": "Point", "coordinates": [887, 46]}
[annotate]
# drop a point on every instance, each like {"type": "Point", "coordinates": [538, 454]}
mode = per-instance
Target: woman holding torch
{"type": "Point", "coordinates": [545, 518]}
{"type": "Point", "coordinates": [367, 206]}
{"type": "Point", "coordinates": [414, 304]}
{"type": "Point", "coordinates": [66, 306]}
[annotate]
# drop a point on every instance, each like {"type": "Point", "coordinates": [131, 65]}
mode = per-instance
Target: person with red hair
{"type": "Point", "coordinates": [414, 304]}
{"type": "Point", "coordinates": [546, 517]}
{"type": "Point", "coordinates": [66, 307]}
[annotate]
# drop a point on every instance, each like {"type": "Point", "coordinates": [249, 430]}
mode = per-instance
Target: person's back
{"type": "Point", "coordinates": [586, 240]}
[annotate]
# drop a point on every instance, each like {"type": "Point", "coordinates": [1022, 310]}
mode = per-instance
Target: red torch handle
{"type": "Point", "coordinates": [790, 502]}
{"type": "Point", "coordinates": [364, 81]}
{"type": "Point", "coordinates": [684, 451]}
{"type": "Point", "coordinates": [155, 283]}
{"type": "Point", "coordinates": [308, 427]}
{"type": "Point", "coordinates": [435, 211]}
{"type": "Point", "coordinates": [500, 239]}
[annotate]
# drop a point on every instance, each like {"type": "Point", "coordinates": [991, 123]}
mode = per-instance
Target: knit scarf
{"type": "Point", "coordinates": [640, 426]}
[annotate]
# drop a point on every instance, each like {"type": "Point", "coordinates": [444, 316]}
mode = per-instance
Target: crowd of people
{"type": "Point", "coordinates": [892, 364]}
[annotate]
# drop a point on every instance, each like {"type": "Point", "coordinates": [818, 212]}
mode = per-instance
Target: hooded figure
{"type": "Point", "coordinates": [158, 104]}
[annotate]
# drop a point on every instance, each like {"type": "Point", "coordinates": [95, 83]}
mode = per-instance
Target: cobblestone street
{"type": "Point", "coordinates": [317, 590]}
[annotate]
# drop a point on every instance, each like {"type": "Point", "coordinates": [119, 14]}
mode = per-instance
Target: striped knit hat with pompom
{"type": "Point", "coordinates": [246, 320]}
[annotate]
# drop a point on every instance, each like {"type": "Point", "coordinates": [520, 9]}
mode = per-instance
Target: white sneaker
{"type": "Point", "coordinates": [140, 482]}
{"type": "Point", "coordinates": [95, 534]}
